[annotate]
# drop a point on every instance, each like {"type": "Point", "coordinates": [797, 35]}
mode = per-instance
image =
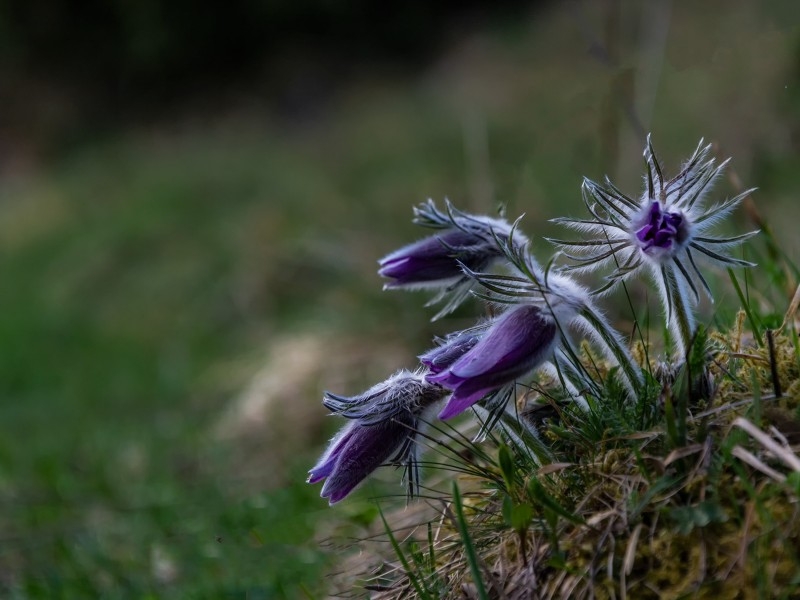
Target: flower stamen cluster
{"type": "Point", "coordinates": [662, 231]}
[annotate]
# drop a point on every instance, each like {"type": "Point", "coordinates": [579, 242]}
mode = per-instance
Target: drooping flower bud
{"type": "Point", "coordinates": [518, 341]}
{"type": "Point", "coordinates": [385, 421]}
{"type": "Point", "coordinates": [438, 262]}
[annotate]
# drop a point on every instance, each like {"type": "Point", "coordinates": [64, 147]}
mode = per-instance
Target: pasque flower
{"type": "Point", "coordinates": [542, 316]}
{"type": "Point", "coordinates": [384, 423]}
{"type": "Point", "coordinates": [665, 232]}
{"type": "Point", "coordinates": [437, 262]}
{"type": "Point", "coordinates": [517, 342]}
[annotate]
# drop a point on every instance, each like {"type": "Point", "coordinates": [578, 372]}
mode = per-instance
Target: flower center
{"type": "Point", "coordinates": [662, 231]}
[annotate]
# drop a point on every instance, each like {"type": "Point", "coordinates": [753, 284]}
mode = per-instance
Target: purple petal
{"type": "Point", "coordinates": [675, 220]}
{"type": "Point", "coordinates": [320, 472]}
{"type": "Point", "coordinates": [416, 269]}
{"type": "Point", "coordinates": [438, 359]}
{"type": "Point", "coordinates": [441, 244]}
{"type": "Point", "coordinates": [326, 463]}
{"type": "Point", "coordinates": [458, 403]}
{"type": "Point", "coordinates": [509, 346]}
{"type": "Point", "coordinates": [663, 239]}
{"type": "Point", "coordinates": [644, 233]}
{"type": "Point", "coordinates": [469, 391]}
{"type": "Point", "coordinates": [446, 379]}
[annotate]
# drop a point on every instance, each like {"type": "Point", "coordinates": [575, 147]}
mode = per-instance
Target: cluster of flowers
{"type": "Point", "coordinates": [539, 314]}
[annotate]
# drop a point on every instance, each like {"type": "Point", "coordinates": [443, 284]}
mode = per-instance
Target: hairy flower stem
{"type": "Point", "coordinates": [680, 319]}
{"type": "Point", "coordinates": [612, 343]}
{"type": "Point", "coordinates": [573, 378]}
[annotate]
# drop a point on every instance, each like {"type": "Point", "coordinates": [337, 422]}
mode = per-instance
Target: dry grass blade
{"type": "Point", "coordinates": [554, 468]}
{"type": "Point", "coordinates": [729, 406]}
{"type": "Point", "coordinates": [630, 551]}
{"type": "Point", "coordinates": [787, 456]}
{"type": "Point", "coordinates": [680, 453]}
{"type": "Point", "coordinates": [752, 460]}
{"type": "Point", "coordinates": [794, 305]}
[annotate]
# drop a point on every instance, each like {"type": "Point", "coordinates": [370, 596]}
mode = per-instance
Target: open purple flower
{"type": "Point", "coordinates": [666, 228]}
{"type": "Point", "coordinates": [385, 421]}
{"type": "Point", "coordinates": [666, 232]}
{"type": "Point", "coordinates": [517, 342]}
{"type": "Point", "coordinates": [438, 261]}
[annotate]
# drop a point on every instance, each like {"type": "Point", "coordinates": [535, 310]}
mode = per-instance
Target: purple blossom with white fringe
{"type": "Point", "coordinates": [384, 424]}
{"type": "Point", "coordinates": [664, 233]}
{"type": "Point", "coordinates": [437, 262]}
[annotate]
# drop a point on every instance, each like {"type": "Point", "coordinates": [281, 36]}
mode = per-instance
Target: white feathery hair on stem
{"type": "Point", "coordinates": [571, 307]}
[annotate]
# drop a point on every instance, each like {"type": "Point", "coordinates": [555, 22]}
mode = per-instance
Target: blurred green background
{"type": "Point", "coordinates": [192, 201]}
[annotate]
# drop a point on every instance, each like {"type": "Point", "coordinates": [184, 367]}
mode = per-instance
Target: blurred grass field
{"type": "Point", "coordinates": [148, 276]}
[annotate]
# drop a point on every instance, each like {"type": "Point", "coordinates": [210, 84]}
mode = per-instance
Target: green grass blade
{"type": "Point", "coordinates": [746, 306]}
{"type": "Point", "coordinates": [423, 593]}
{"type": "Point", "coordinates": [469, 548]}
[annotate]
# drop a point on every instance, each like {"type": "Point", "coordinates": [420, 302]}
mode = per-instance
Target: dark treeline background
{"type": "Point", "coordinates": [71, 68]}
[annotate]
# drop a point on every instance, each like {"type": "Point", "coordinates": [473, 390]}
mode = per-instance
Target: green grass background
{"type": "Point", "coordinates": [145, 277]}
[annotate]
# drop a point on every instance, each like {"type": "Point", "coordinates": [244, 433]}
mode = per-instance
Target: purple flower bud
{"type": "Point", "coordinates": [384, 422]}
{"type": "Point", "coordinates": [517, 342]}
{"type": "Point", "coordinates": [358, 451]}
{"type": "Point", "coordinates": [434, 260]}
{"type": "Point", "coordinates": [463, 242]}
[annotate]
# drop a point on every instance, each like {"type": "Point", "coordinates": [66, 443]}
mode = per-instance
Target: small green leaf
{"type": "Point", "coordinates": [558, 561]}
{"type": "Point", "coordinates": [746, 306]}
{"type": "Point", "coordinates": [521, 517]}
{"type": "Point", "coordinates": [412, 577]}
{"type": "Point", "coordinates": [517, 516]}
{"type": "Point", "coordinates": [793, 481]}
{"type": "Point", "coordinates": [469, 547]}
{"type": "Point", "coordinates": [507, 468]}
{"type": "Point", "coordinates": [699, 515]}
{"type": "Point", "coordinates": [669, 419]}
{"type": "Point", "coordinates": [508, 510]}
{"type": "Point", "coordinates": [662, 484]}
